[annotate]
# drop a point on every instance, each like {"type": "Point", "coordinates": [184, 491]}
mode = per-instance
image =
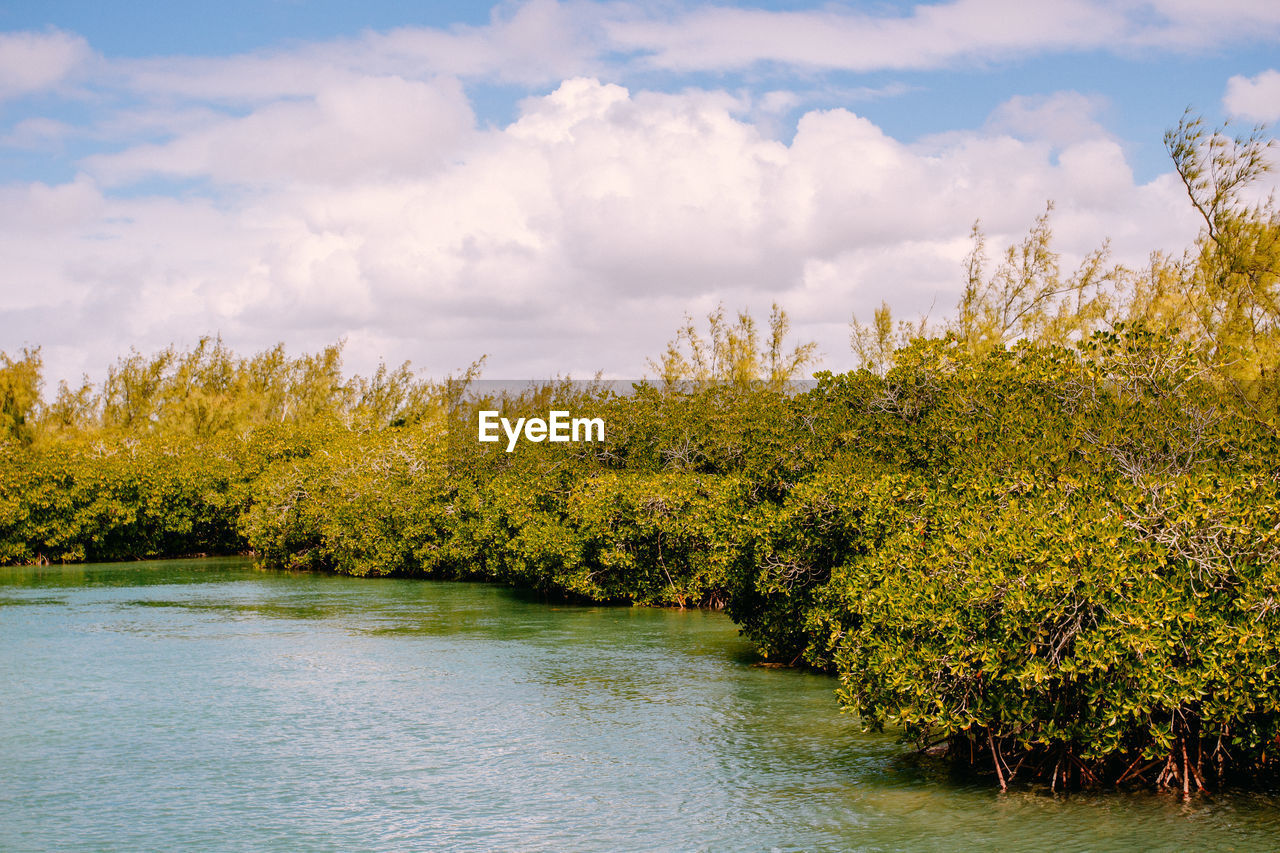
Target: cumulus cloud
{"type": "Point", "coordinates": [30, 62]}
{"type": "Point", "coordinates": [1254, 98]}
{"type": "Point", "coordinates": [572, 239]}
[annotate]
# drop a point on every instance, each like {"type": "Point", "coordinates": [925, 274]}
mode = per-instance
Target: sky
{"type": "Point", "coordinates": [555, 185]}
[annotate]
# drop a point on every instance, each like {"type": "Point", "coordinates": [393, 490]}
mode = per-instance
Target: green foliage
{"type": "Point", "coordinates": [1085, 589]}
{"type": "Point", "coordinates": [89, 501]}
{"type": "Point", "coordinates": [361, 504]}
{"type": "Point", "coordinates": [653, 539]}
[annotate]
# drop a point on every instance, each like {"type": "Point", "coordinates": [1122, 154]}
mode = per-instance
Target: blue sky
{"type": "Point", "coordinates": [556, 183]}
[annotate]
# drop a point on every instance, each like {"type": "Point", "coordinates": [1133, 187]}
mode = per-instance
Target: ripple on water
{"type": "Point", "coordinates": [206, 705]}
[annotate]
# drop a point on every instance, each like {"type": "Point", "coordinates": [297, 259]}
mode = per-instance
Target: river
{"type": "Point", "coordinates": [208, 705]}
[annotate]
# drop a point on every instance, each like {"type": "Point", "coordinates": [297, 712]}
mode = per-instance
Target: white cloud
{"type": "Point", "coordinates": [1254, 98]}
{"type": "Point", "coordinates": [1199, 24]}
{"type": "Point", "coordinates": [30, 62]}
{"type": "Point", "coordinates": [571, 240]}
{"type": "Point", "coordinates": [935, 35]}
{"type": "Point", "coordinates": [1061, 118]}
{"type": "Point", "coordinates": [536, 43]}
{"type": "Point", "coordinates": [928, 37]}
{"type": "Point", "coordinates": [371, 127]}
{"type": "Point", "coordinates": [37, 134]}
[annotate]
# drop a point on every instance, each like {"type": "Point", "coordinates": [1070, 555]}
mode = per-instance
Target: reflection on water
{"type": "Point", "coordinates": [205, 704]}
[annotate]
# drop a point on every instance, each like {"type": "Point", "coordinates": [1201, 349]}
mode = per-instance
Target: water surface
{"type": "Point", "coordinates": [204, 704]}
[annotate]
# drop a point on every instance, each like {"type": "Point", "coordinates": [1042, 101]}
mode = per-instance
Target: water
{"type": "Point", "coordinates": [206, 705]}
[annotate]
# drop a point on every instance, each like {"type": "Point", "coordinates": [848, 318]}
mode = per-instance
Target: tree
{"type": "Point", "coordinates": [732, 352]}
{"type": "Point", "coordinates": [1233, 280]}
{"type": "Point", "coordinates": [876, 344]}
{"type": "Point", "coordinates": [72, 411]}
{"type": "Point", "coordinates": [130, 396]}
{"type": "Point", "coordinates": [19, 395]}
{"type": "Point", "coordinates": [1027, 298]}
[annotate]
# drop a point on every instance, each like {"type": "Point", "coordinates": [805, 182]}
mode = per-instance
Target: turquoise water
{"type": "Point", "coordinates": [206, 705]}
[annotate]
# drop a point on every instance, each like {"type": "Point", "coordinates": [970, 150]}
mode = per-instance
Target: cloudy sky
{"type": "Point", "coordinates": [555, 184]}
